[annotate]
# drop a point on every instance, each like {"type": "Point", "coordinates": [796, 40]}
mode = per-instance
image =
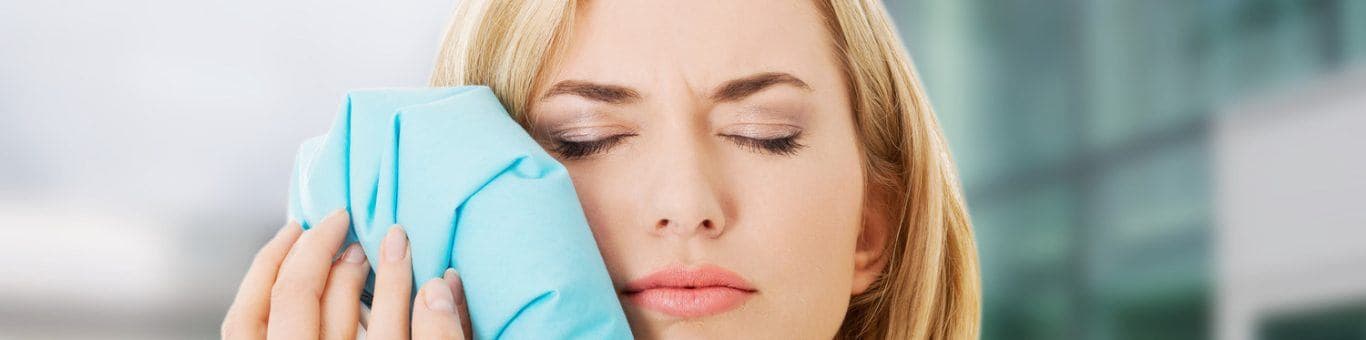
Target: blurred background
{"type": "Point", "coordinates": [1155, 169]}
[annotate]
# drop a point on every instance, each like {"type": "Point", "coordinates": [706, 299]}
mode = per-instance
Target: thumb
{"type": "Point", "coordinates": [439, 312]}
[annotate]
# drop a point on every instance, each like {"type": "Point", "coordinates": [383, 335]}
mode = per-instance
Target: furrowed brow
{"type": "Point", "coordinates": [744, 87]}
{"type": "Point", "coordinates": [611, 94]}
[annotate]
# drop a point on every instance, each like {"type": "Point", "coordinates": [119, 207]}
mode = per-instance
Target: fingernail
{"type": "Point", "coordinates": [454, 284]}
{"type": "Point", "coordinates": [395, 244]}
{"type": "Point", "coordinates": [334, 215]}
{"type": "Point", "coordinates": [354, 254]}
{"type": "Point", "coordinates": [440, 299]}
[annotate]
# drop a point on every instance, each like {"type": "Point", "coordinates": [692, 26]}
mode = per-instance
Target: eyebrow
{"type": "Point", "coordinates": [612, 94]}
{"type": "Point", "coordinates": [730, 91]}
{"type": "Point", "coordinates": [744, 87]}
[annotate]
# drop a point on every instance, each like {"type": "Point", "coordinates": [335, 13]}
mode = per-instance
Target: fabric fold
{"type": "Point", "coordinates": [474, 192]}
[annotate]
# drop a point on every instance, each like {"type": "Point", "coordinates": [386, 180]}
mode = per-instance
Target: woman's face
{"type": "Point", "coordinates": [713, 149]}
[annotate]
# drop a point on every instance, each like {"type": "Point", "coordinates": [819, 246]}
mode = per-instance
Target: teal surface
{"type": "Point", "coordinates": [474, 193]}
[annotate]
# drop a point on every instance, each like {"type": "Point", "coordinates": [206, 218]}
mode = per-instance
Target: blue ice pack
{"type": "Point", "coordinates": [474, 192]}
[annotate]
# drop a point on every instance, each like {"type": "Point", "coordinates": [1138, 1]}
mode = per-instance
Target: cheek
{"type": "Point", "coordinates": [599, 195]}
{"type": "Point", "coordinates": [791, 226]}
{"type": "Point", "coordinates": [802, 224]}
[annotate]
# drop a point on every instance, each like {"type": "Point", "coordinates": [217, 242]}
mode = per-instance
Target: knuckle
{"type": "Point", "coordinates": [290, 290]}
{"type": "Point", "coordinates": [347, 275]}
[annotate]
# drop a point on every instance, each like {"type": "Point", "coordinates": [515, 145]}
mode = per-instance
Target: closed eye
{"type": "Point", "coordinates": [573, 150]}
{"type": "Point", "coordinates": [782, 146]}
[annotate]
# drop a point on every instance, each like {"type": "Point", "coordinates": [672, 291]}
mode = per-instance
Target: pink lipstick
{"type": "Point", "coordinates": [689, 292]}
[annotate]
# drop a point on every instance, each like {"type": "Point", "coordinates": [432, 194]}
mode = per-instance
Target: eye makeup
{"type": "Point", "coordinates": [576, 131]}
{"type": "Point", "coordinates": [781, 141]}
{"type": "Point", "coordinates": [580, 143]}
{"type": "Point", "coordinates": [774, 139]}
{"type": "Point", "coordinates": [774, 130]}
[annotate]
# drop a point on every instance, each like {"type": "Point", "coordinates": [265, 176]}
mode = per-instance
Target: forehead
{"type": "Point", "coordinates": [694, 43]}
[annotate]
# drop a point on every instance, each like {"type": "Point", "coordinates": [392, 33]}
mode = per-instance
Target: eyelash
{"type": "Point", "coordinates": [782, 146]}
{"type": "Point", "coordinates": [579, 150]}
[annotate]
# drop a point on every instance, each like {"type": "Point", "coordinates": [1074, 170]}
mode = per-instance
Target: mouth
{"type": "Point", "coordinates": [689, 292]}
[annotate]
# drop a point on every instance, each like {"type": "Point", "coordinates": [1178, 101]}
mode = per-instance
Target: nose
{"type": "Point", "coordinates": [686, 199]}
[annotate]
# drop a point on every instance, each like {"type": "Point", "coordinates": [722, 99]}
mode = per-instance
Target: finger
{"type": "Point", "coordinates": [458, 290]}
{"type": "Point", "coordinates": [247, 316]}
{"type": "Point", "coordinates": [295, 296]}
{"type": "Point", "coordinates": [393, 288]}
{"type": "Point", "coordinates": [438, 310]}
{"type": "Point", "coordinates": [341, 298]}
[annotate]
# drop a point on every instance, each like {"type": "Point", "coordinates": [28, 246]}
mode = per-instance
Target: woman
{"type": "Point", "coordinates": [783, 146]}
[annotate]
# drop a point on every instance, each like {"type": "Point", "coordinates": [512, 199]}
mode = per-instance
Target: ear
{"type": "Point", "coordinates": [869, 256]}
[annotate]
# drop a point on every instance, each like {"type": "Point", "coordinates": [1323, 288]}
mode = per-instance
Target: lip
{"type": "Point", "coordinates": [689, 292]}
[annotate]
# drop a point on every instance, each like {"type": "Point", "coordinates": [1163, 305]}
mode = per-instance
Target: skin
{"type": "Point", "coordinates": [683, 190]}
{"type": "Point", "coordinates": [676, 115]}
{"type": "Point", "coordinates": [297, 288]}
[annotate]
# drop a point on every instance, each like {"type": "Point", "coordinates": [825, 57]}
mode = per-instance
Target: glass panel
{"type": "Point", "coordinates": [1081, 131]}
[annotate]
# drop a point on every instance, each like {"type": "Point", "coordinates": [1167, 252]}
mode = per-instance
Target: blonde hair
{"type": "Point", "coordinates": [930, 287]}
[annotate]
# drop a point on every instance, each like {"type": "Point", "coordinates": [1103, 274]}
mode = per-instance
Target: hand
{"type": "Point", "coordinates": [295, 289]}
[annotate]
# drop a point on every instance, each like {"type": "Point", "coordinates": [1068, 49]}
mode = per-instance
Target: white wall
{"type": "Point", "coordinates": [1291, 200]}
{"type": "Point", "coordinates": [145, 146]}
